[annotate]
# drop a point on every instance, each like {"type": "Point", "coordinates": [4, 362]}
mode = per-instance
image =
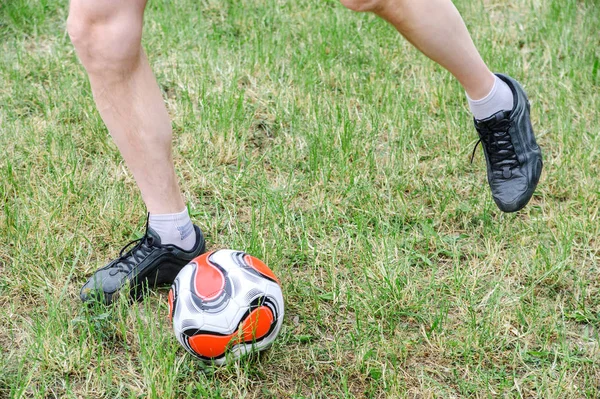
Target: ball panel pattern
{"type": "Point", "coordinates": [210, 284]}
{"type": "Point", "coordinates": [225, 304]}
{"type": "Point", "coordinates": [256, 325]}
{"type": "Point", "coordinates": [209, 279]}
{"type": "Point", "coordinates": [260, 267]}
{"type": "Point", "coordinates": [171, 304]}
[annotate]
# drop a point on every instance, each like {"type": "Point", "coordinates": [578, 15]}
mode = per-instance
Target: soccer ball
{"type": "Point", "coordinates": [224, 304]}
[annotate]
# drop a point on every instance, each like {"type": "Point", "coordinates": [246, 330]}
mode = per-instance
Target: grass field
{"type": "Point", "coordinates": [320, 141]}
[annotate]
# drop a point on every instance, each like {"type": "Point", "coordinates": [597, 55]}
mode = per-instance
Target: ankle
{"type": "Point", "coordinates": [174, 229]}
{"type": "Point", "coordinates": [499, 98]}
{"type": "Point", "coordinates": [482, 88]}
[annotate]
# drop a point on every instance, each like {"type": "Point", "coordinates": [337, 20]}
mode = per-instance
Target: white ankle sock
{"type": "Point", "coordinates": [174, 228]}
{"type": "Point", "coordinates": [500, 98]}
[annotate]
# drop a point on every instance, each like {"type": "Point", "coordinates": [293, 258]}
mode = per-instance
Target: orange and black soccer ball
{"type": "Point", "coordinates": [224, 304]}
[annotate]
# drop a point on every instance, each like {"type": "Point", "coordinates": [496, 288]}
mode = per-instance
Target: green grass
{"type": "Point", "coordinates": [320, 141]}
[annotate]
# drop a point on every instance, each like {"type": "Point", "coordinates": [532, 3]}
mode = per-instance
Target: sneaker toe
{"type": "Point", "coordinates": [511, 195]}
{"type": "Point", "coordinates": [101, 286]}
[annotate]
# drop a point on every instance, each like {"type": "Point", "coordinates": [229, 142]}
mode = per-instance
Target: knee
{"type": "Point", "coordinates": [104, 41]}
{"type": "Point", "coordinates": [364, 5]}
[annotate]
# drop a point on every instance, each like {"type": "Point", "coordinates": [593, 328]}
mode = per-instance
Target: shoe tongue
{"type": "Point", "coordinates": [494, 119]}
{"type": "Point", "coordinates": [155, 237]}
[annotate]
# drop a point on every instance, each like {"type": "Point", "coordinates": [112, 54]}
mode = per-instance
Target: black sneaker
{"type": "Point", "coordinates": [148, 263]}
{"type": "Point", "coordinates": [514, 160]}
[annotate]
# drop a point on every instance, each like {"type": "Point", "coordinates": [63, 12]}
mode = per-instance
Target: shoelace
{"type": "Point", "coordinates": [128, 260]}
{"type": "Point", "coordinates": [498, 144]}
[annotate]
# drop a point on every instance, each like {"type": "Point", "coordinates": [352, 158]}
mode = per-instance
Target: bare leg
{"type": "Point", "coordinates": [435, 28]}
{"type": "Point", "coordinates": [499, 103]}
{"type": "Point", "coordinates": [107, 36]}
